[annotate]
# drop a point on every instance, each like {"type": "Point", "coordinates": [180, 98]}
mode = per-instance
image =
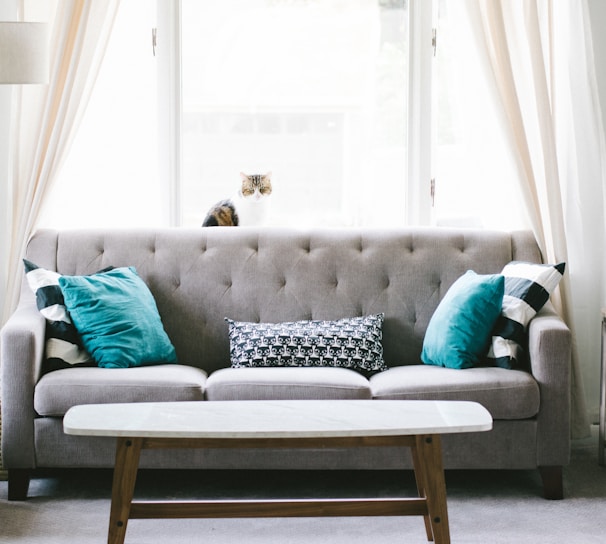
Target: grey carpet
{"type": "Point", "coordinates": [496, 507]}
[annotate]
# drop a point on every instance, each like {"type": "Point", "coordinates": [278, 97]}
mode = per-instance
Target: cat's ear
{"type": "Point", "coordinates": [243, 176]}
{"type": "Point", "coordinates": [268, 175]}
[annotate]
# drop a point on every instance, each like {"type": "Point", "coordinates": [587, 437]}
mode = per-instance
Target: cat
{"type": "Point", "coordinates": [250, 207]}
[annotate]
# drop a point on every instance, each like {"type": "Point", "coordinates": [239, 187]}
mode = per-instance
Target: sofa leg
{"type": "Point", "coordinates": [18, 483]}
{"type": "Point", "coordinates": [553, 487]}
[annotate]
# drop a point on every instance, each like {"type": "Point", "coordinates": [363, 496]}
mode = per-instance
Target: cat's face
{"type": "Point", "coordinates": [256, 186]}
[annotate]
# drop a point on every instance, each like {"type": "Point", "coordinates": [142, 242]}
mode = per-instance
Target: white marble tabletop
{"type": "Point", "coordinates": [276, 419]}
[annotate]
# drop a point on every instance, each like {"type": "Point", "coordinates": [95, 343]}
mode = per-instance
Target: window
{"type": "Point", "coordinates": [476, 178]}
{"type": "Point", "coordinates": [314, 91]}
{"type": "Point", "coordinates": [343, 101]}
{"type": "Point", "coordinates": [110, 176]}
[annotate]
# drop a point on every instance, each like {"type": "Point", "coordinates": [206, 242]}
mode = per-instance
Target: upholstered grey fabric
{"type": "Point", "coordinates": [506, 447]}
{"type": "Point", "coordinates": [199, 277]}
{"type": "Point", "coordinates": [21, 353]}
{"type": "Point", "coordinates": [58, 391]}
{"type": "Point", "coordinates": [549, 345]}
{"type": "Point", "coordinates": [286, 383]}
{"type": "Point", "coordinates": [506, 394]}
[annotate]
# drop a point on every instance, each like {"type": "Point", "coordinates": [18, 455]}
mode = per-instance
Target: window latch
{"type": "Point", "coordinates": [434, 40]}
{"type": "Point", "coordinates": [154, 40]}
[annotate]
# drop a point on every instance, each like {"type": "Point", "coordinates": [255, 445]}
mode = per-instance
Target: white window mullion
{"type": "Point", "coordinates": [421, 114]}
{"type": "Point", "coordinates": [168, 52]}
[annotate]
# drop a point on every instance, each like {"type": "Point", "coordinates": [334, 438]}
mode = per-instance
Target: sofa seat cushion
{"type": "Point", "coordinates": [506, 394]}
{"type": "Point", "coordinates": [58, 391]}
{"type": "Point", "coordinates": [279, 383]}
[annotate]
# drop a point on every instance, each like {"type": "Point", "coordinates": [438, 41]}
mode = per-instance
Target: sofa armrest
{"type": "Point", "coordinates": [550, 349]}
{"type": "Point", "coordinates": [21, 352]}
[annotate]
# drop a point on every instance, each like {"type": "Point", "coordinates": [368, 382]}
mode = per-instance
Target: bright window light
{"type": "Point", "coordinates": [313, 91]}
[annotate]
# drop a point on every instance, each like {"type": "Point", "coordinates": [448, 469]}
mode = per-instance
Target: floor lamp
{"type": "Point", "coordinates": [23, 60]}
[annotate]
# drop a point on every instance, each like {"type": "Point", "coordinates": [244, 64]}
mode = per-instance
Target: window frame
{"type": "Point", "coordinates": [421, 107]}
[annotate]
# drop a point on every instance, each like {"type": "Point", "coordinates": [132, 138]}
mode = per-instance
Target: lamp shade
{"type": "Point", "coordinates": [23, 52]}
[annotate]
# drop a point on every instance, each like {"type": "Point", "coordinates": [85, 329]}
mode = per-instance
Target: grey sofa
{"type": "Point", "coordinates": [200, 276]}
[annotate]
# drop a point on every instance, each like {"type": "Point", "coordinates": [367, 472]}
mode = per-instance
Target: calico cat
{"type": "Point", "coordinates": [249, 207]}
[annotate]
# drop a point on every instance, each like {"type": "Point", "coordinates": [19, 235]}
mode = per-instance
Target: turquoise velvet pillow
{"type": "Point", "coordinates": [459, 331]}
{"type": "Point", "coordinates": [117, 318]}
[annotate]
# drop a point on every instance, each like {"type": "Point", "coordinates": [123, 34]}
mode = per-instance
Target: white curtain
{"type": "Point", "coordinates": [45, 118]}
{"type": "Point", "coordinates": [542, 60]}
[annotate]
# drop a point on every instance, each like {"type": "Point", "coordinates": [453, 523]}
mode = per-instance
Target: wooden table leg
{"type": "Point", "coordinates": [421, 488]}
{"type": "Point", "coordinates": [128, 451]}
{"type": "Point", "coordinates": [429, 462]}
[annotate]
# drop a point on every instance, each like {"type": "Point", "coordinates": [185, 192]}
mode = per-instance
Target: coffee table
{"type": "Point", "coordinates": [280, 424]}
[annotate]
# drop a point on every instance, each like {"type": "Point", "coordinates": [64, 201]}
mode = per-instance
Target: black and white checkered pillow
{"type": "Point", "coordinates": [63, 344]}
{"type": "Point", "coordinates": [354, 343]}
{"type": "Point", "coordinates": [528, 287]}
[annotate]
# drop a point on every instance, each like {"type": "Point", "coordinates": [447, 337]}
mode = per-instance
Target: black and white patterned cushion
{"type": "Point", "coordinates": [528, 287]}
{"type": "Point", "coordinates": [63, 344]}
{"type": "Point", "coordinates": [354, 343]}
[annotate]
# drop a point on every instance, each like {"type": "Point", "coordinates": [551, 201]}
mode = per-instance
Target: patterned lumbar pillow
{"type": "Point", "coordinates": [64, 347]}
{"type": "Point", "coordinates": [527, 289]}
{"type": "Point", "coordinates": [354, 343]}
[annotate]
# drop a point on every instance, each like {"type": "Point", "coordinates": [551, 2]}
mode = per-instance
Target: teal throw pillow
{"type": "Point", "coordinates": [459, 331]}
{"type": "Point", "coordinates": [117, 318]}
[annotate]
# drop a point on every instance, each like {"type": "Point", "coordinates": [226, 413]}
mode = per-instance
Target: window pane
{"type": "Point", "coordinates": [314, 91]}
{"type": "Point", "coordinates": [476, 175]}
{"type": "Point", "coordinates": [110, 176]}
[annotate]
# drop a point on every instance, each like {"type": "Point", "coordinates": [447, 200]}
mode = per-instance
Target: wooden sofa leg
{"type": "Point", "coordinates": [553, 486]}
{"type": "Point", "coordinates": [18, 483]}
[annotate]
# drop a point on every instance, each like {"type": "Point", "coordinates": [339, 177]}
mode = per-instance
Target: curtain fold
{"type": "Point", "coordinates": [45, 118]}
{"type": "Point", "coordinates": [542, 61]}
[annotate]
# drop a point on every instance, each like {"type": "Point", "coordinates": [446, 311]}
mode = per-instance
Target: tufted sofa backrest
{"type": "Point", "coordinates": [200, 276]}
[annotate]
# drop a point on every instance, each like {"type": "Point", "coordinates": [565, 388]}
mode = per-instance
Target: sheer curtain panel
{"type": "Point", "coordinates": [541, 57]}
{"type": "Point", "coordinates": [45, 118]}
